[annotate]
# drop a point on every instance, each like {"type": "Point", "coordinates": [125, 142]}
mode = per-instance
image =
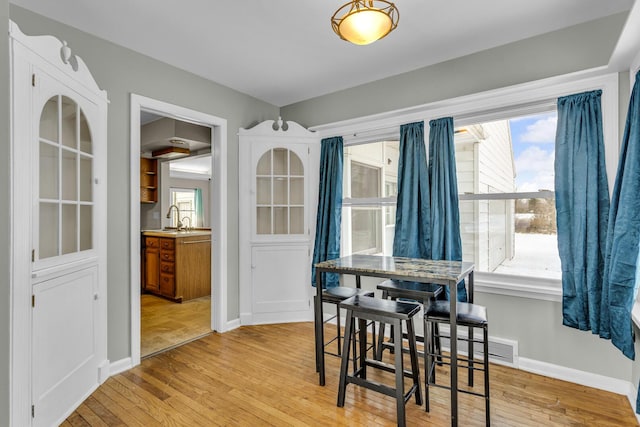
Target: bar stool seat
{"type": "Point", "coordinates": [467, 315]}
{"type": "Point", "coordinates": [335, 296]}
{"type": "Point", "coordinates": [365, 309]}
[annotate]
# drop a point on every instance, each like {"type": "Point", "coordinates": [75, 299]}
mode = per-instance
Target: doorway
{"type": "Point", "coordinates": [140, 107]}
{"type": "Point", "coordinates": [175, 179]}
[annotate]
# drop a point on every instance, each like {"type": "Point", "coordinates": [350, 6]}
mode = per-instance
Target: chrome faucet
{"type": "Point", "coordinates": [189, 228]}
{"type": "Point", "coordinates": [179, 224]}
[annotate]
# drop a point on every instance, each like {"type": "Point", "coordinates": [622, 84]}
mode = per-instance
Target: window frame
{"type": "Point", "coordinates": [518, 100]}
{"type": "Point", "coordinates": [366, 202]}
{"type": "Point", "coordinates": [172, 220]}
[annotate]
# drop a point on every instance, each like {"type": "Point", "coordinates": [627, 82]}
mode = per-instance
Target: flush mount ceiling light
{"type": "Point", "coordinates": [365, 21]}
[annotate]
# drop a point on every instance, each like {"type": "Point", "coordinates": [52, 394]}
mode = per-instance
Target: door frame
{"type": "Point", "coordinates": [218, 202]}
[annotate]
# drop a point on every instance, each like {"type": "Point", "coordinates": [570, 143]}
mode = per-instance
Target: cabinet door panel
{"type": "Point", "coordinates": [152, 267]}
{"type": "Point", "coordinates": [280, 279]}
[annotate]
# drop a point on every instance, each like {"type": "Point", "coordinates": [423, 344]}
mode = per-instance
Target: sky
{"type": "Point", "coordinates": [533, 139]}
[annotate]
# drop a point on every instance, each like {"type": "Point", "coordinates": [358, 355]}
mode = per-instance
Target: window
{"type": "Point", "coordinates": [506, 186]}
{"type": "Point", "coordinates": [524, 213]}
{"type": "Point", "coordinates": [507, 202]}
{"type": "Point", "coordinates": [65, 183]}
{"type": "Point", "coordinates": [185, 200]}
{"type": "Point", "coordinates": [369, 190]}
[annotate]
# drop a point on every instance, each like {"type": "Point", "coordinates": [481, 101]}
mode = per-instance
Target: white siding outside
{"type": "Point", "coordinates": [484, 161]}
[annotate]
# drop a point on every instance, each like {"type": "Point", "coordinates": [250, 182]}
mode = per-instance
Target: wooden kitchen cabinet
{"type": "Point", "coordinates": [177, 265]}
{"type": "Point", "coordinates": [148, 180]}
{"type": "Point", "coordinates": [152, 264]}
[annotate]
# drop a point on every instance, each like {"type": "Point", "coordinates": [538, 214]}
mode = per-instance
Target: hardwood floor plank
{"type": "Point", "coordinates": [165, 324]}
{"type": "Point", "coordinates": [265, 375]}
{"type": "Point", "coordinates": [97, 415]}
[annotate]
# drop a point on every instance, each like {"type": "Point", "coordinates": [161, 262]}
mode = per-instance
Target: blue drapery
{"type": "Point", "coordinates": [445, 212]}
{"type": "Point", "coordinates": [582, 207]}
{"type": "Point", "coordinates": [327, 242]}
{"type": "Point", "coordinates": [413, 215]}
{"type": "Point", "coordinates": [199, 208]}
{"type": "Point", "coordinates": [621, 262]}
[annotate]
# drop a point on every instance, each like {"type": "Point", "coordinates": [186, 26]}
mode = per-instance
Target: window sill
{"type": "Point", "coordinates": [517, 286]}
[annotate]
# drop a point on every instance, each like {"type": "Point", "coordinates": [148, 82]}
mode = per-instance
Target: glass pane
{"type": "Point", "coordinates": [280, 161]}
{"type": "Point", "coordinates": [69, 122]}
{"type": "Point", "coordinates": [296, 164]}
{"type": "Point", "coordinates": [297, 220]}
{"type": "Point", "coordinates": [69, 175]}
{"type": "Point", "coordinates": [48, 238]}
{"type": "Point", "coordinates": [280, 191]}
{"type": "Point", "coordinates": [263, 191]}
{"type": "Point", "coordinates": [69, 229]}
{"type": "Point", "coordinates": [296, 191]}
{"type": "Point", "coordinates": [366, 230]}
{"type": "Point", "coordinates": [264, 164]}
{"type": "Point", "coordinates": [280, 221]}
{"type": "Point", "coordinates": [48, 171]}
{"type": "Point", "coordinates": [365, 180]}
{"type": "Point", "coordinates": [86, 228]}
{"type": "Point", "coordinates": [49, 120]}
{"type": "Point", "coordinates": [86, 179]}
{"type": "Point", "coordinates": [85, 135]}
{"type": "Point", "coordinates": [263, 221]}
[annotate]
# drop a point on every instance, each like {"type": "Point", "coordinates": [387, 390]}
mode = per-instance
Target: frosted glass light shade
{"type": "Point", "coordinates": [365, 21]}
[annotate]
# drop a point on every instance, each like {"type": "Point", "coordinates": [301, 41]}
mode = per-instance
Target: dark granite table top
{"type": "Point", "coordinates": [399, 268]}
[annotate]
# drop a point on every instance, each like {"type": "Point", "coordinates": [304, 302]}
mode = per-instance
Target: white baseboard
{"type": "Point", "coordinates": [104, 371]}
{"type": "Point", "coordinates": [120, 366]}
{"type": "Point", "coordinates": [588, 379]}
{"type": "Point", "coordinates": [76, 405]}
{"type": "Point", "coordinates": [232, 324]}
{"type": "Point", "coordinates": [632, 396]}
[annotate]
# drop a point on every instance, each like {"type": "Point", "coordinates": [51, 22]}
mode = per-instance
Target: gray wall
{"type": "Point", "coordinates": [4, 214]}
{"type": "Point", "coordinates": [535, 324]}
{"type": "Point", "coordinates": [121, 72]}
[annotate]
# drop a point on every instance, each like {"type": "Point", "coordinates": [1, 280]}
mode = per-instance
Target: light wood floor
{"type": "Point", "coordinates": [265, 375]}
{"type": "Point", "coordinates": [165, 324]}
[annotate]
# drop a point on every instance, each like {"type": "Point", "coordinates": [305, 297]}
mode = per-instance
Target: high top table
{"type": "Point", "coordinates": [447, 273]}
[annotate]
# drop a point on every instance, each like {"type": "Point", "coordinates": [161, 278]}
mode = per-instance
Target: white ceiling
{"type": "Point", "coordinates": [284, 51]}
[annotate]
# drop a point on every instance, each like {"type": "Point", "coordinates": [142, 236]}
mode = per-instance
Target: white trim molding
{"type": "Point", "coordinates": [120, 366]}
{"type": "Point", "coordinates": [576, 376]}
{"type": "Point", "coordinates": [218, 205]}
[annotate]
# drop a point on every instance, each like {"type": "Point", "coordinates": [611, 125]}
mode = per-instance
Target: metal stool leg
{"type": "Point", "coordinates": [486, 374]}
{"type": "Point", "coordinates": [338, 331]}
{"type": "Point", "coordinates": [470, 351]}
{"type": "Point", "coordinates": [413, 355]}
{"type": "Point", "coordinates": [428, 363]}
{"type": "Point", "coordinates": [344, 364]}
{"type": "Point", "coordinates": [400, 410]}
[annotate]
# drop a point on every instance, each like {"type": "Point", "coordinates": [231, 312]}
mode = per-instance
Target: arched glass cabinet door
{"type": "Point", "coordinates": [279, 193]}
{"type": "Point", "coordinates": [65, 185]}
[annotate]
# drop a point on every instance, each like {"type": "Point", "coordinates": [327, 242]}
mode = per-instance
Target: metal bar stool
{"type": "Point", "coordinates": [335, 296]}
{"type": "Point", "coordinates": [365, 309]}
{"type": "Point", "coordinates": [469, 315]}
{"type": "Point", "coordinates": [394, 289]}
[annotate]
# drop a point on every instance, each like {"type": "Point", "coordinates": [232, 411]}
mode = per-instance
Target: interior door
{"type": "Point", "coordinates": [65, 265]}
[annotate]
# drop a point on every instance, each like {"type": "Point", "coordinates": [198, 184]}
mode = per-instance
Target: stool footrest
{"type": "Point", "coordinates": [387, 367]}
{"type": "Point", "coordinates": [379, 387]}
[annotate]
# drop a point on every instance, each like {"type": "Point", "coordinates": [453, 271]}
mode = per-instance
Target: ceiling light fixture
{"type": "Point", "coordinates": [365, 21]}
